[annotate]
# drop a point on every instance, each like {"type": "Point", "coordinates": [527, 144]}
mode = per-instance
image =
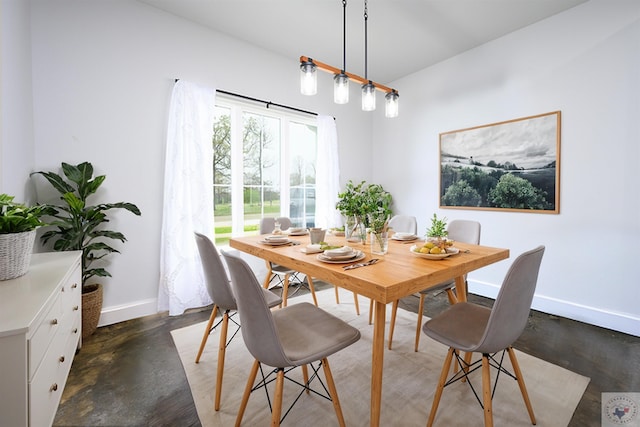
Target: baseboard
{"type": "Point", "coordinates": [621, 322]}
{"type": "Point", "coordinates": [120, 313]}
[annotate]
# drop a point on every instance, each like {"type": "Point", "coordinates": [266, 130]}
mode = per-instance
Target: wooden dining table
{"type": "Point", "coordinates": [397, 274]}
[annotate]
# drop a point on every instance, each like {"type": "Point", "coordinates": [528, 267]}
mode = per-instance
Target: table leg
{"type": "Point", "coordinates": [377, 362]}
{"type": "Point", "coordinates": [461, 289]}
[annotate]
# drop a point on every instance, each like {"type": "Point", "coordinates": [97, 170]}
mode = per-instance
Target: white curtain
{"type": "Point", "coordinates": [327, 174]}
{"type": "Point", "coordinates": [188, 197]}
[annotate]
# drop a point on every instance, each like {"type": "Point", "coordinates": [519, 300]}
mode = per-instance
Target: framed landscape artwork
{"type": "Point", "coordinates": [507, 166]}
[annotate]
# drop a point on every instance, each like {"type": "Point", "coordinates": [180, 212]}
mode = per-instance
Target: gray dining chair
{"type": "Point", "coordinates": [285, 275]}
{"type": "Point", "coordinates": [459, 230]}
{"type": "Point", "coordinates": [404, 224]}
{"type": "Point", "coordinates": [219, 289]}
{"type": "Point", "coordinates": [467, 327]}
{"type": "Point", "coordinates": [298, 335]}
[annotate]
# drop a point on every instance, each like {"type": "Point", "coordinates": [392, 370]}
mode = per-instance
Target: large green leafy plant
{"type": "Point", "coordinates": [364, 201]}
{"type": "Point", "coordinates": [78, 225]}
{"type": "Point", "coordinates": [18, 218]}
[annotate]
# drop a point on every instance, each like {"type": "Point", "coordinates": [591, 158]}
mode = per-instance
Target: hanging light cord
{"type": "Point", "coordinates": [366, 17]}
{"type": "Point", "coordinates": [344, 35]}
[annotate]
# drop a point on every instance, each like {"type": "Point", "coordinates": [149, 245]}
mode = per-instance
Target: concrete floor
{"type": "Point", "coordinates": [129, 374]}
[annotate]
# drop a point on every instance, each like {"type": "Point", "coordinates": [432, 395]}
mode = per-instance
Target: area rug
{"type": "Point", "coordinates": [409, 381]}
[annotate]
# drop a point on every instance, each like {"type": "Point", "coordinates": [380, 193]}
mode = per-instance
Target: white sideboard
{"type": "Point", "coordinates": [40, 321]}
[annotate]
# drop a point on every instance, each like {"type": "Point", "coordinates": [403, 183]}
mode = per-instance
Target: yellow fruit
{"type": "Point", "coordinates": [424, 250]}
{"type": "Point", "coordinates": [429, 245]}
{"type": "Point", "coordinates": [435, 251]}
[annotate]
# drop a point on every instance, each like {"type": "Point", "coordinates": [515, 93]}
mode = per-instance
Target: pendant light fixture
{"type": "Point", "coordinates": [368, 89]}
{"type": "Point", "coordinates": [309, 75]}
{"type": "Point", "coordinates": [341, 80]}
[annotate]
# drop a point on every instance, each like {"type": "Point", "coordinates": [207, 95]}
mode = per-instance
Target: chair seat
{"type": "Point", "coordinates": [441, 286]}
{"type": "Point", "coordinates": [309, 333]}
{"type": "Point", "coordinates": [462, 326]}
{"type": "Point", "coordinates": [271, 298]}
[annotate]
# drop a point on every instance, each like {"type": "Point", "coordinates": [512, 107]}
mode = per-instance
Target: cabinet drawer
{"type": "Point", "coordinates": [45, 332]}
{"type": "Point", "coordinates": [46, 386]}
{"type": "Point", "coordinates": [71, 295]}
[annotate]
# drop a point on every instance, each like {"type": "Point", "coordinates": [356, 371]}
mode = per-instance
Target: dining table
{"type": "Point", "coordinates": [397, 274]}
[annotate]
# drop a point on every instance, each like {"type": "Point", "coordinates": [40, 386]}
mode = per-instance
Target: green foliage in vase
{"type": "Point", "coordinates": [364, 201]}
{"type": "Point", "coordinates": [78, 225]}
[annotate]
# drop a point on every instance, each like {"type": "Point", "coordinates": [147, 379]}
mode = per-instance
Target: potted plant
{"type": "Point", "coordinates": [18, 224]}
{"type": "Point", "coordinates": [80, 226]}
{"type": "Point", "coordinates": [437, 233]}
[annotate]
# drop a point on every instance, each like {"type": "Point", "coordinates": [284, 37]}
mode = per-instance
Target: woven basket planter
{"type": "Point", "coordinates": [15, 253]}
{"type": "Point", "coordinates": [91, 309]}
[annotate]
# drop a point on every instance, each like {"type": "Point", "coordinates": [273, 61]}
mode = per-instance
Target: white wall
{"type": "Point", "coordinates": [586, 63]}
{"type": "Point", "coordinates": [103, 74]}
{"type": "Point", "coordinates": [16, 117]}
{"type": "Point", "coordinates": [102, 77]}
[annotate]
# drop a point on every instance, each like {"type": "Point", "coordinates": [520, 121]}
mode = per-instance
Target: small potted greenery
{"type": "Point", "coordinates": [18, 224]}
{"type": "Point", "coordinates": [81, 226]}
{"type": "Point", "coordinates": [437, 233]}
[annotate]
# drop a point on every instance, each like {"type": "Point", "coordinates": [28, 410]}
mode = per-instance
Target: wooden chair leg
{"type": "Point", "coordinates": [392, 323]}
{"type": "Point", "coordinates": [441, 382]}
{"type": "Point", "coordinates": [355, 301]}
{"type": "Point", "coordinates": [523, 388]}
{"type": "Point", "coordinates": [247, 392]}
{"type": "Point", "coordinates": [305, 377]}
{"type": "Point", "coordinates": [333, 392]}
{"type": "Point", "coordinates": [419, 323]}
{"type": "Point", "coordinates": [285, 290]}
{"type": "Point", "coordinates": [276, 412]}
{"type": "Point", "coordinates": [451, 296]}
{"type": "Point", "coordinates": [313, 290]}
{"type": "Point", "coordinates": [267, 279]}
{"type": "Point", "coordinates": [222, 349]}
{"type": "Point", "coordinates": [486, 391]}
{"type": "Point", "coordinates": [207, 331]}
{"type": "Point", "coordinates": [335, 288]}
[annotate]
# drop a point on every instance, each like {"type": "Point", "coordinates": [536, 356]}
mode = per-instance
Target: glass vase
{"type": "Point", "coordinates": [379, 242]}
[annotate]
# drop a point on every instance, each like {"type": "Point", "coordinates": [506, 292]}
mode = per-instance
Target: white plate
{"type": "Point", "coordinates": [298, 233]}
{"type": "Point", "coordinates": [275, 242]}
{"type": "Point", "coordinates": [358, 257]}
{"type": "Point", "coordinates": [310, 250]}
{"type": "Point", "coordinates": [450, 251]}
{"type": "Point", "coordinates": [404, 237]}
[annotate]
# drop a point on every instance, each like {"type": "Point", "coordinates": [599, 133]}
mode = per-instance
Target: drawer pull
{"type": "Point", "coordinates": [75, 330]}
{"type": "Point", "coordinates": [76, 308]}
{"type": "Point", "coordinates": [75, 285]}
{"type": "Point", "coordinates": [54, 387]}
{"type": "Point", "coordinates": [54, 322]}
{"type": "Point", "coordinates": [61, 359]}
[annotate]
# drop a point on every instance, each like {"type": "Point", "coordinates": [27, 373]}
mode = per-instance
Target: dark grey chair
{"type": "Point", "coordinates": [472, 328]}
{"type": "Point", "coordinates": [282, 273]}
{"type": "Point", "coordinates": [219, 290]}
{"type": "Point", "coordinates": [459, 230]}
{"type": "Point", "coordinates": [292, 336]}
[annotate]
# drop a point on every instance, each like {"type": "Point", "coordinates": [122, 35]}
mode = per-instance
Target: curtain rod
{"type": "Point", "coordinates": [267, 103]}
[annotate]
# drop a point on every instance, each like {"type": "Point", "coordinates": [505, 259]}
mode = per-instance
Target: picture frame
{"type": "Point", "coordinates": [512, 165]}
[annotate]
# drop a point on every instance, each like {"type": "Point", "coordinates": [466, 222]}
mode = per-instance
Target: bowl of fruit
{"type": "Point", "coordinates": [434, 250]}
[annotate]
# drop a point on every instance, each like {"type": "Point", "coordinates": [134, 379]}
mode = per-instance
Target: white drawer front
{"type": "Point", "coordinates": [44, 334]}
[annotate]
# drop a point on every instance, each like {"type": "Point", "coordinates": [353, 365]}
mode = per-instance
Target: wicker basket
{"type": "Point", "coordinates": [91, 309]}
{"type": "Point", "coordinates": [15, 253]}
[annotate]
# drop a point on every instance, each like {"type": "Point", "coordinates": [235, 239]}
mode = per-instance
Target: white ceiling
{"type": "Point", "coordinates": [404, 36]}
